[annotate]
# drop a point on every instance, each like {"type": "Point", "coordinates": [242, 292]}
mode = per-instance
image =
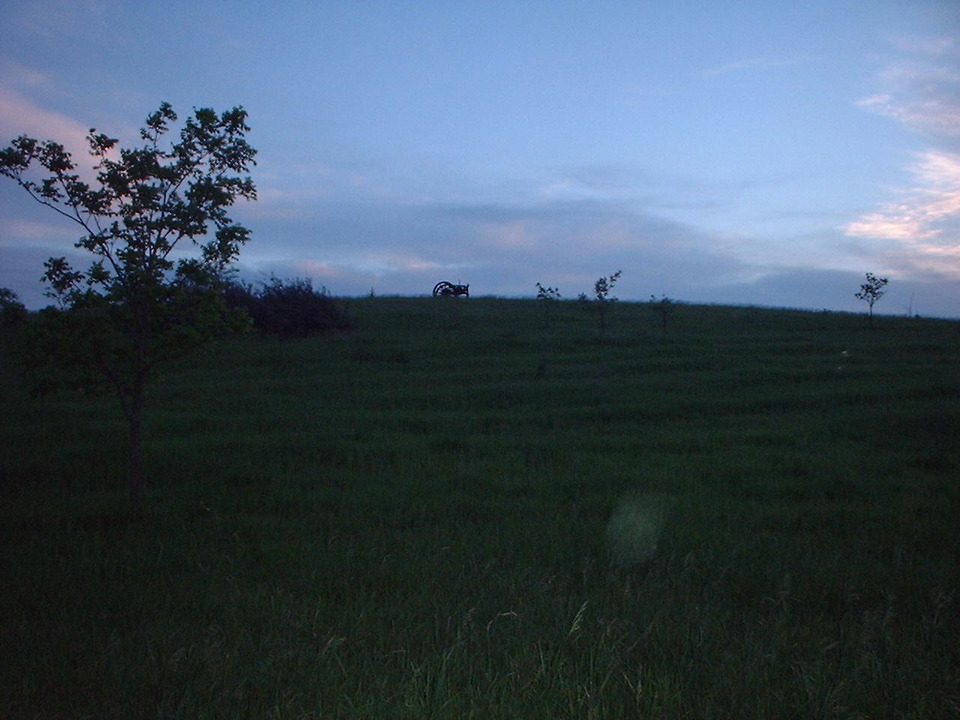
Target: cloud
{"type": "Point", "coordinates": [922, 92]}
{"type": "Point", "coordinates": [924, 221]}
{"type": "Point", "coordinates": [21, 116]}
{"type": "Point", "coordinates": [937, 116]}
{"type": "Point", "coordinates": [504, 247]}
{"type": "Point", "coordinates": [19, 76]}
{"type": "Point", "coordinates": [52, 234]}
{"type": "Point", "coordinates": [753, 63]}
{"type": "Point", "coordinates": [500, 247]}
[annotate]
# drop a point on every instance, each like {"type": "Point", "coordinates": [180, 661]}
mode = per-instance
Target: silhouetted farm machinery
{"type": "Point", "coordinates": [447, 289]}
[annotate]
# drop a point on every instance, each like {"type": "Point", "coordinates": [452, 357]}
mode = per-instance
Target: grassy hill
{"type": "Point", "coordinates": [489, 508]}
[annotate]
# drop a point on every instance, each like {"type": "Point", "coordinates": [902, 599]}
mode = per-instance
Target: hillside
{"type": "Point", "coordinates": [490, 508]}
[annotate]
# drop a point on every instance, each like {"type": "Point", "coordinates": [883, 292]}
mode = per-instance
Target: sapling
{"type": "Point", "coordinates": [664, 306]}
{"type": "Point", "coordinates": [547, 293]}
{"type": "Point", "coordinates": [601, 296]}
{"type": "Point", "coordinates": [548, 297]}
{"type": "Point", "coordinates": [871, 291]}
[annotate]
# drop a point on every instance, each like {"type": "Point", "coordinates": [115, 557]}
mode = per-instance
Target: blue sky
{"type": "Point", "coordinates": [762, 153]}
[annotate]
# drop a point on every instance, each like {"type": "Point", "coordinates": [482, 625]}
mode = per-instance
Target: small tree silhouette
{"type": "Point", "coordinates": [601, 296]}
{"type": "Point", "coordinates": [548, 297]}
{"type": "Point", "coordinates": [547, 293]}
{"type": "Point", "coordinates": [871, 291]}
{"type": "Point", "coordinates": [664, 306]}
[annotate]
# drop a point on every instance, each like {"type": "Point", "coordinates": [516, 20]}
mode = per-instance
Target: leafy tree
{"type": "Point", "coordinates": [138, 303]}
{"type": "Point", "coordinates": [871, 291]}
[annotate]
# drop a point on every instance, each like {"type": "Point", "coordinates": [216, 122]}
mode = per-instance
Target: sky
{"type": "Point", "coordinates": [724, 151]}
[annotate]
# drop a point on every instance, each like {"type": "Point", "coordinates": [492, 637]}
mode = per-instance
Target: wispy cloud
{"type": "Point", "coordinates": [20, 76]}
{"type": "Point", "coordinates": [939, 116]}
{"type": "Point", "coordinates": [746, 64]}
{"type": "Point", "coordinates": [922, 91]}
{"type": "Point", "coordinates": [19, 115]}
{"type": "Point", "coordinates": [31, 232]}
{"type": "Point", "coordinates": [926, 211]}
{"type": "Point", "coordinates": [752, 63]}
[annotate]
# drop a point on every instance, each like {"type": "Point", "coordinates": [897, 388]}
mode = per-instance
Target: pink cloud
{"type": "Point", "coordinates": [921, 91]}
{"type": "Point", "coordinates": [926, 218]}
{"type": "Point", "coordinates": [21, 116]}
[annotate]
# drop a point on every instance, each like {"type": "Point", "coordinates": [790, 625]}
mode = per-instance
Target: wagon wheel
{"type": "Point", "coordinates": [443, 288]}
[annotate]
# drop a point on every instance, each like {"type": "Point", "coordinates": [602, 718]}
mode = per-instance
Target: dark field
{"type": "Point", "coordinates": [488, 509]}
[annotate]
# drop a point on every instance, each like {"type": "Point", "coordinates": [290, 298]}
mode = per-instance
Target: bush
{"type": "Point", "coordinates": [12, 311]}
{"type": "Point", "coordinates": [289, 308]}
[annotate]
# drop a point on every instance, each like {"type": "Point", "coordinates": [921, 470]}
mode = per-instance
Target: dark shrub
{"type": "Point", "coordinates": [289, 308]}
{"type": "Point", "coordinates": [12, 311]}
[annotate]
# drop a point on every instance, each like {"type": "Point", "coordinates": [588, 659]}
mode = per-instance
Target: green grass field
{"type": "Point", "coordinates": [487, 508]}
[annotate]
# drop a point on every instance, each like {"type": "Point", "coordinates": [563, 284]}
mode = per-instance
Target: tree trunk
{"type": "Point", "coordinates": [137, 480]}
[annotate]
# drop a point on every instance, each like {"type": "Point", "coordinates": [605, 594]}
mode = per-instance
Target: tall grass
{"type": "Point", "coordinates": [489, 509]}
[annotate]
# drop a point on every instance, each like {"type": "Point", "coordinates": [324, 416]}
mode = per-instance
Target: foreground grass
{"type": "Point", "coordinates": [414, 521]}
